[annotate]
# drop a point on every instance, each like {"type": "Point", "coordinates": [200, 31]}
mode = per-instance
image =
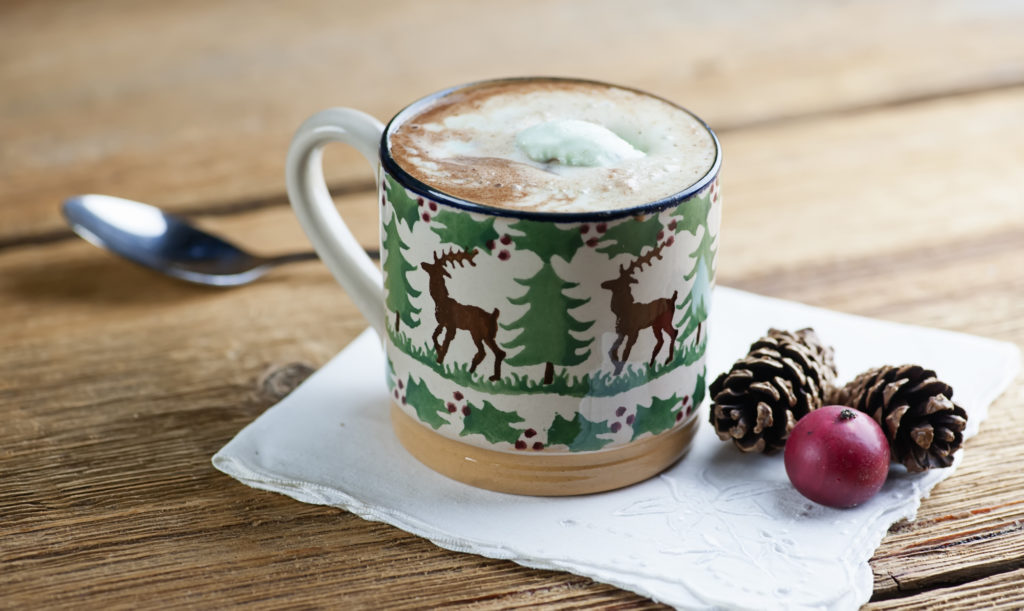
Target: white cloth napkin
{"type": "Point", "coordinates": [719, 529]}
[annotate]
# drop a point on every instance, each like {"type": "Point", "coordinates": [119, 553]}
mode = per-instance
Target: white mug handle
{"type": "Point", "coordinates": [331, 238]}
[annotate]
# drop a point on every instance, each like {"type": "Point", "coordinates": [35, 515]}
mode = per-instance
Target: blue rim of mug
{"type": "Point", "coordinates": [407, 180]}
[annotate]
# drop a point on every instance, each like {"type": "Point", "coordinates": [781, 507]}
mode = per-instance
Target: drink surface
{"type": "Point", "coordinates": [553, 146]}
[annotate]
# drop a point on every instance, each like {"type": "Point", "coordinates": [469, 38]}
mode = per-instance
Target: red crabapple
{"type": "Point", "coordinates": [837, 456]}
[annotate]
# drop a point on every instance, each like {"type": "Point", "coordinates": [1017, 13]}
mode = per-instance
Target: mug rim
{"type": "Point", "coordinates": [394, 169]}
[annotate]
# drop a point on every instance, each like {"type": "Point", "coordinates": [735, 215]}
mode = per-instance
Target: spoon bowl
{"type": "Point", "coordinates": [166, 243]}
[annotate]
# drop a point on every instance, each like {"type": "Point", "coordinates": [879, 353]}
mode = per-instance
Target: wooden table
{"type": "Point", "coordinates": [874, 165]}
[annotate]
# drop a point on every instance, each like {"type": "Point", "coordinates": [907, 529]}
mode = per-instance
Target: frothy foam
{"type": "Point", "coordinates": [554, 146]}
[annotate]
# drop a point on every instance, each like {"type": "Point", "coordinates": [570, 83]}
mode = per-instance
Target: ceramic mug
{"type": "Point", "coordinates": [527, 352]}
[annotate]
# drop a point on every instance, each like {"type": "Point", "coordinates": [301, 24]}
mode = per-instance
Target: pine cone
{"type": "Point", "coordinates": [914, 408]}
{"type": "Point", "coordinates": [783, 377]}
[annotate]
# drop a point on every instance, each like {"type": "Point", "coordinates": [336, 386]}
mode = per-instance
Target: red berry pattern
{"type": "Point", "coordinates": [622, 416]}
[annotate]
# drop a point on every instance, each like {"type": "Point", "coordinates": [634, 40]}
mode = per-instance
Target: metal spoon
{"type": "Point", "coordinates": [167, 243]}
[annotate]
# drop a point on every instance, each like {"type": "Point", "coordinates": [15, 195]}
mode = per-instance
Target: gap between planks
{"type": "Point", "coordinates": [1000, 589]}
{"type": "Point", "coordinates": [224, 208]}
{"type": "Point", "coordinates": [354, 187]}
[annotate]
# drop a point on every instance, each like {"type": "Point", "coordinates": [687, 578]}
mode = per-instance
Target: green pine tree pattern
{"type": "Point", "coordinates": [580, 434]}
{"type": "Point", "coordinates": [656, 418]}
{"type": "Point", "coordinates": [546, 330]}
{"type": "Point", "coordinates": [494, 424]}
{"type": "Point", "coordinates": [428, 408]}
{"type": "Point", "coordinates": [396, 283]}
{"type": "Point", "coordinates": [698, 391]}
{"type": "Point", "coordinates": [546, 240]}
{"type": "Point", "coordinates": [406, 207]}
{"type": "Point", "coordinates": [630, 236]}
{"type": "Point", "coordinates": [461, 229]}
{"type": "Point", "coordinates": [698, 301]}
{"type": "Point", "coordinates": [691, 216]}
{"type": "Point", "coordinates": [705, 256]}
{"type": "Point", "coordinates": [693, 213]}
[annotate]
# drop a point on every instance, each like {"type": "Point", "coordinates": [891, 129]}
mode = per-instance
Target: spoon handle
{"type": "Point", "coordinates": [292, 258]}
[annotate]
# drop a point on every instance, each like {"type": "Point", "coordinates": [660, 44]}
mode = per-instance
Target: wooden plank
{"type": "Point", "coordinates": [113, 498]}
{"type": "Point", "coordinates": [972, 524]}
{"type": "Point", "coordinates": [825, 191]}
{"type": "Point", "coordinates": [108, 496]}
{"type": "Point", "coordinates": [931, 240]}
{"type": "Point", "coordinates": [121, 384]}
{"type": "Point", "coordinates": [192, 104]}
{"type": "Point", "coordinates": [997, 592]}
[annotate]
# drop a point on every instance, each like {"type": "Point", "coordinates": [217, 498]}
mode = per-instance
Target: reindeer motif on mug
{"type": "Point", "coordinates": [452, 315]}
{"type": "Point", "coordinates": [631, 317]}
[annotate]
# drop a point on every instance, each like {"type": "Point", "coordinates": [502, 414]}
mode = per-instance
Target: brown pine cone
{"type": "Point", "coordinates": [915, 409]}
{"type": "Point", "coordinates": [783, 377]}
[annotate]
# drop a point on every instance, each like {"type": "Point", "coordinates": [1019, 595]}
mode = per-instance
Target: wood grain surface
{"type": "Point", "coordinates": [874, 164]}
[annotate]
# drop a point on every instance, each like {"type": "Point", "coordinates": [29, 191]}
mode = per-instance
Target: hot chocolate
{"type": "Point", "coordinates": [553, 145]}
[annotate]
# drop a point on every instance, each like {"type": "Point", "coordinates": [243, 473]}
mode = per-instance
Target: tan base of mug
{"type": "Point", "coordinates": [542, 474]}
